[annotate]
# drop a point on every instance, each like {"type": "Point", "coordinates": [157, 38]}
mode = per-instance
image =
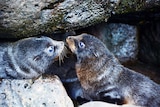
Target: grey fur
{"type": "Point", "coordinates": [104, 78]}
{"type": "Point", "coordinates": [28, 58]}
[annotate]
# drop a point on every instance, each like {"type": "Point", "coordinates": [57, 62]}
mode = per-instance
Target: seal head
{"type": "Point", "coordinates": [86, 46]}
{"type": "Point", "coordinates": [30, 57]}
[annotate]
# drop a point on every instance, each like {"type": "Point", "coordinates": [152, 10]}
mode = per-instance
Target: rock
{"type": "Point", "coordinates": [27, 18]}
{"type": "Point", "coordinates": [47, 92]}
{"type": "Point", "coordinates": [103, 104]}
{"type": "Point", "coordinates": [32, 17]}
{"type": "Point", "coordinates": [121, 39]}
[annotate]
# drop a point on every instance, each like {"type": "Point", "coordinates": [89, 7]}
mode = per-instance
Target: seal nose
{"type": "Point", "coordinates": [69, 37]}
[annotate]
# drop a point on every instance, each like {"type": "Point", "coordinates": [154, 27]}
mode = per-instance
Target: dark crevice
{"type": "Point", "coordinates": [135, 18]}
{"type": "Point", "coordinates": [53, 5]}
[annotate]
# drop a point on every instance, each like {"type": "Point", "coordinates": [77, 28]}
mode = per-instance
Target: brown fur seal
{"type": "Point", "coordinates": [104, 78]}
{"type": "Point", "coordinates": [28, 58]}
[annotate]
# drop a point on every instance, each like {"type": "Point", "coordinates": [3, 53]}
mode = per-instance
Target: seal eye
{"type": "Point", "coordinates": [81, 45]}
{"type": "Point", "coordinates": [50, 49]}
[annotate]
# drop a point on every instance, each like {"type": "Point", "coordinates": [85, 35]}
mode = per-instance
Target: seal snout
{"type": "Point", "coordinates": [69, 39]}
{"type": "Point", "coordinates": [71, 43]}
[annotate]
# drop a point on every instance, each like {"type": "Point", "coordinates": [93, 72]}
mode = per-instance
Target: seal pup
{"type": "Point", "coordinates": [103, 77]}
{"type": "Point", "coordinates": [28, 58]}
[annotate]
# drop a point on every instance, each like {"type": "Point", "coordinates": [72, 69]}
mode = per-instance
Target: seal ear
{"type": "Point", "coordinates": [96, 54]}
{"type": "Point", "coordinates": [36, 58]}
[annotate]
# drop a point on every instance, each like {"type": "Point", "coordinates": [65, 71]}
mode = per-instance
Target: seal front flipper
{"type": "Point", "coordinates": [111, 96]}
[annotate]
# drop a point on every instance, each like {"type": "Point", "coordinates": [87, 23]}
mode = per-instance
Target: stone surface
{"type": "Point", "coordinates": [47, 92]}
{"type": "Point", "coordinates": [122, 40]}
{"type": "Point", "coordinates": [103, 104]}
{"type": "Point", "coordinates": [31, 17]}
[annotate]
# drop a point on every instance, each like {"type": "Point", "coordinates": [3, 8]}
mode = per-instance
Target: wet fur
{"type": "Point", "coordinates": [104, 78]}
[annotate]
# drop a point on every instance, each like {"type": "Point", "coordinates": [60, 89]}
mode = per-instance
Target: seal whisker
{"type": "Point", "coordinates": [63, 55]}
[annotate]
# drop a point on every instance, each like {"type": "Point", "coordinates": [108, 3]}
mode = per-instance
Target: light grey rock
{"type": "Point", "coordinates": [104, 104]}
{"type": "Point", "coordinates": [121, 39]}
{"type": "Point", "coordinates": [47, 92]}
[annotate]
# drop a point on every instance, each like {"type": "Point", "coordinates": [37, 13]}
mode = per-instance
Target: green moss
{"type": "Point", "coordinates": [29, 28]}
{"type": "Point", "coordinates": [23, 31]}
{"type": "Point", "coordinates": [126, 6]}
{"type": "Point", "coordinates": [55, 23]}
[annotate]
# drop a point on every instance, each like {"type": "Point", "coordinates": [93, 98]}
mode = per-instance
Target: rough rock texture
{"type": "Point", "coordinates": [31, 17]}
{"type": "Point", "coordinates": [121, 39]}
{"type": "Point", "coordinates": [103, 104]}
{"type": "Point", "coordinates": [47, 92]}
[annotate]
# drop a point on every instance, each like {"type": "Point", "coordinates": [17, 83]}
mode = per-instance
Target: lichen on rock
{"type": "Point", "coordinates": [122, 40]}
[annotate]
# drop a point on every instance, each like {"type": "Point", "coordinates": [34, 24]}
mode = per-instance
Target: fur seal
{"type": "Point", "coordinates": [103, 77]}
{"type": "Point", "coordinates": [28, 58]}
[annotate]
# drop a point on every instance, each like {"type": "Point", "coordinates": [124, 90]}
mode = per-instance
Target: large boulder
{"type": "Point", "coordinates": [21, 18]}
{"type": "Point", "coordinates": [47, 92]}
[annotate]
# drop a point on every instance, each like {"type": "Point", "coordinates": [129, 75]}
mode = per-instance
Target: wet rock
{"type": "Point", "coordinates": [47, 92]}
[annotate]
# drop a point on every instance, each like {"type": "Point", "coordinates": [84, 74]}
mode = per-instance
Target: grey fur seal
{"type": "Point", "coordinates": [28, 58]}
{"type": "Point", "coordinates": [103, 77]}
